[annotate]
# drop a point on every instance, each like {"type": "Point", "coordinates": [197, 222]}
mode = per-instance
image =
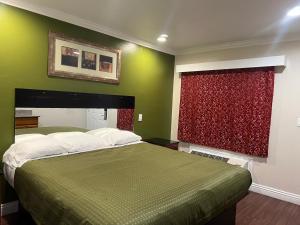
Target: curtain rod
{"type": "Point", "coordinates": [279, 62]}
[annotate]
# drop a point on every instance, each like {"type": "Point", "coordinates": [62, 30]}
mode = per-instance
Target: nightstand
{"type": "Point", "coordinates": [163, 142]}
{"type": "Point", "coordinates": [27, 122]}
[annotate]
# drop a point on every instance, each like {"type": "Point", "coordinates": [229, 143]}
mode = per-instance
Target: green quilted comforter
{"type": "Point", "coordinates": [136, 184]}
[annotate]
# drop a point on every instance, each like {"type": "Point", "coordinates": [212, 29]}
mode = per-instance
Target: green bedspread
{"type": "Point", "coordinates": [47, 130]}
{"type": "Point", "coordinates": [136, 184]}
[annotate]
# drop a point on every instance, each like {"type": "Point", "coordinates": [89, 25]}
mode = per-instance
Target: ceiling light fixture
{"type": "Point", "coordinates": [294, 12]}
{"type": "Point", "coordinates": [162, 38]}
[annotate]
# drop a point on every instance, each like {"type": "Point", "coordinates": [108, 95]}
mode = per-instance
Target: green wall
{"type": "Point", "coordinates": [145, 73]}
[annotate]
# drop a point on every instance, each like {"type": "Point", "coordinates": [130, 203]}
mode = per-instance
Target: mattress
{"type": "Point", "coordinates": [135, 184]}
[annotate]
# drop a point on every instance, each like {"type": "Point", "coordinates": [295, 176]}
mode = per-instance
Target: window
{"type": "Point", "coordinates": [227, 109]}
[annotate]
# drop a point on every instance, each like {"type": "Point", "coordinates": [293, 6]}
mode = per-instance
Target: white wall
{"type": "Point", "coordinates": [282, 168]}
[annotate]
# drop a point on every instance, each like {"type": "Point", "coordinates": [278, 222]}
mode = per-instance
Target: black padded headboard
{"type": "Point", "coordinates": [60, 99]}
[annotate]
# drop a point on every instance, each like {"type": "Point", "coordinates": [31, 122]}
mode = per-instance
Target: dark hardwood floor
{"type": "Point", "coordinates": [254, 209]}
{"type": "Point", "coordinates": [257, 209]}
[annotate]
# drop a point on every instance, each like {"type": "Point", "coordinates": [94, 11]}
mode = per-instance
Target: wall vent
{"type": "Point", "coordinates": [211, 156]}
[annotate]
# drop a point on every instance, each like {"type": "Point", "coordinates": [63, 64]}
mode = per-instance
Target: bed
{"type": "Point", "coordinates": [134, 184]}
{"type": "Point", "coordinates": [84, 181]}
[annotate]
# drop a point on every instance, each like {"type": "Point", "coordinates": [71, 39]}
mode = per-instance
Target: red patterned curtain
{"type": "Point", "coordinates": [125, 119]}
{"type": "Point", "coordinates": [227, 109]}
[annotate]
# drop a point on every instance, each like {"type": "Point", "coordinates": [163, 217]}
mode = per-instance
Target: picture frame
{"type": "Point", "coordinates": [77, 59]}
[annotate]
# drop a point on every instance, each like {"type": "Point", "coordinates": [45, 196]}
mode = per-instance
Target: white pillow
{"type": "Point", "coordinates": [27, 137]}
{"type": "Point", "coordinates": [115, 136]}
{"type": "Point", "coordinates": [125, 137]}
{"type": "Point", "coordinates": [101, 131]}
{"type": "Point", "coordinates": [79, 142]}
{"type": "Point", "coordinates": [65, 134]}
{"type": "Point", "coordinates": [36, 148]}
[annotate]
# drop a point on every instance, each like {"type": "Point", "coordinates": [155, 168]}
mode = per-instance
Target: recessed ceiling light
{"type": "Point", "coordinates": [294, 12]}
{"type": "Point", "coordinates": [162, 38]}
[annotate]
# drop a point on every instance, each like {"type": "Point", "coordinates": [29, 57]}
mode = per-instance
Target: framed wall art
{"type": "Point", "coordinates": [77, 59]}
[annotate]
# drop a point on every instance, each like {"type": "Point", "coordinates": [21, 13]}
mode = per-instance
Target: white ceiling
{"type": "Point", "coordinates": [192, 25]}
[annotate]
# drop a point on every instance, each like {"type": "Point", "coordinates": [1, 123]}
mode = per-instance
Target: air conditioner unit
{"type": "Point", "coordinates": [222, 155]}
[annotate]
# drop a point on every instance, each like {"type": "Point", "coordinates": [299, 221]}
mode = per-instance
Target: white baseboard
{"type": "Point", "coordinates": [276, 193]}
{"type": "Point", "coordinates": [9, 208]}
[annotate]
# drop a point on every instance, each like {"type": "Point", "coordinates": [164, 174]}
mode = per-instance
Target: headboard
{"type": "Point", "coordinates": [61, 99]}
